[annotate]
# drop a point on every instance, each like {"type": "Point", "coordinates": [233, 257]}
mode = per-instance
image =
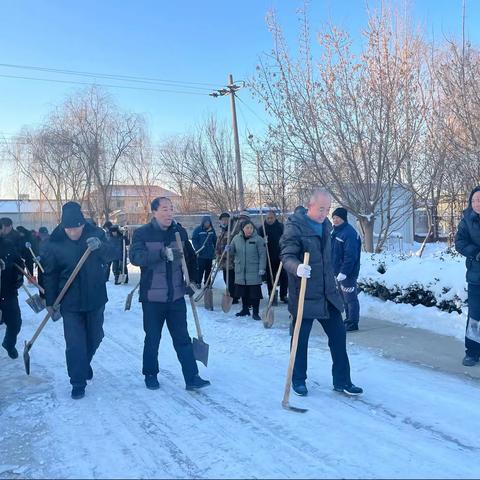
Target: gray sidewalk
{"type": "Point", "coordinates": [391, 340]}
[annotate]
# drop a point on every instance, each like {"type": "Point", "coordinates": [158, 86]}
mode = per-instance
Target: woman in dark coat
{"type": "Point", "coordinates": [467, 242]}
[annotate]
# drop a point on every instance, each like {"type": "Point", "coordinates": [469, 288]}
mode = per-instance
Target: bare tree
{"type": "Point", "coordinates": [349, 120]}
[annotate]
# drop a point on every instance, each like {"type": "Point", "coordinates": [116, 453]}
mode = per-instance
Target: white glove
{"type": "Point", "coordinates": [304, 271]}
{"type": "Point", "coordinates": [341, 277]}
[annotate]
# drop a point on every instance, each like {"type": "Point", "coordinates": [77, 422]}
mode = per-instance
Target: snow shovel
{"type": "Point", "coordinates": [30, 278]}
{"type": "Point", "coordinates": [122, 277]}
{"type": "Point", "coordinates": [227, 300]}
{"type": "Point", "coordinates": [29, 344]}
{"type": "Point", "coordinates": [293, 351]}
{"type": "Point", "coordinates": [128, 301]}
{"type": "Point", "coordinates": [35, 259]}
{"type": "Point", "coordinates": [268, 316]}
{"type": "Point", "coordinates": [34, 301]}
{"type": "Point", "coordinates": [200, 348]}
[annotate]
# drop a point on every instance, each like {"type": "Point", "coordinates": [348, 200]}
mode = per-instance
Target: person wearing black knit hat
{"type": "Point", "coordinates": [346, 248]}
{"type": "Point", "coordinates": [467, 243]}
{"type": "Point", "coordinates": [83, 305]}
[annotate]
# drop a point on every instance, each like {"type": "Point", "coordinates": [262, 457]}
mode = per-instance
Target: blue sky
{"type": "Point", "coordinates": [195, 41]}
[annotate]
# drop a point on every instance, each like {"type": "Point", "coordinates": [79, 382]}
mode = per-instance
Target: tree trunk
{"type": "Point", "coordinates": [366, 225]}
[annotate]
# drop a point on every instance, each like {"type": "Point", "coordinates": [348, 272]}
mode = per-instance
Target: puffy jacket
{"type": "Point", "coordinates": [60, 257]}
{"type": "Point", "coordinates": [11, 279]}
{"type": "Point", "coordinates": [160, 280]}
{"type": "Point", "coordinates": [274, 233]}
{"type": "Point", "coordinates": [249, 257]}
{"type": "Point", "coordinates": [298, 238]}
{"type": "Point", "coordinates": [204, 240]}
{"type": "Point", "coordinates": [467, 241]}
{"type": "Point", "coordinates": [346, 249]}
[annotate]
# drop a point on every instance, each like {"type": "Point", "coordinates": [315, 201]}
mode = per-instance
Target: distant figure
{"type": "Point", "coordinates": [204, 240]}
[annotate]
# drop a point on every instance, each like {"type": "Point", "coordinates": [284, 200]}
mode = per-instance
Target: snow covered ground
{"type": "Point", "coordinates": [411, 422]}
{"type": "Point", "coordinates": [437, 271]}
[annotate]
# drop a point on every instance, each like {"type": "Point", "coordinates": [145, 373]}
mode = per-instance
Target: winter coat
{"type": "Point", "coordinates": [274, 232]}
{"type": "Point", "coordinates": [467, 241]}
{"type": "Point", "coordinates": [222, 240]}
{"type": "Point", "coordinates": [346, 248]}
{"type": "Point", "coordinates": [116, 241]}
{"type": "Point", "coordinates": [249, 257]}
{"type": "Point", "coordinates": [12, 278]}
{"type": "Point", "coordinates": [204, 241]}
{"type": "Point", "coordinates": [160, 280]}
{"type": "Point", "coordinates": [298, 238]}
{"type": "Point", "coordinates": [60, 256]}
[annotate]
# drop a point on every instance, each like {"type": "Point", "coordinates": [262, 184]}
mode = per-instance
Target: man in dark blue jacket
{"type": "Point", "coordinates": [204, 240]}
{"type": "Point", "coordinates": [119, 241]}
{"type": "Point", "coordinates": [346, 248]}
{"type": "Point", "coordinates": [83, 305]}
{"type": "Point", "coordinates": [162, 291]}
{"type": "Point", "coordinates": [310, 232]}
{"type": "Point", "coordinates": [10, 281]}
{"type": "Point", "coordinates": [467, 243]}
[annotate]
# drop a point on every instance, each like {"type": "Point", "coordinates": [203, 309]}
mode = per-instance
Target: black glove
{"type": "Point", "coordinates": [189, 291]}
{"type": "Point", "coordinates": [94, 243]}
{"type": "Point", "coordinates": [54, 313]}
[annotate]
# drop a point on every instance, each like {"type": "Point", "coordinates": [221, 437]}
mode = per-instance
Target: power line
{"type": "Point", "coordinates": [133, 78]}
{"type": "Point", "coordinates": [253, 111]}
{"type": "Point", "coordinates": [128, 87]}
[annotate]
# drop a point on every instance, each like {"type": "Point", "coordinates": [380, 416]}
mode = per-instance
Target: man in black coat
{"type": "Point", "coordinates": [83, 305]}
{"type": "Point", "coordinates": [311, 233]}
{"type": "Point", "coordinates": [162, 291]}
{"type": "Point", "coordinates": [273, 232]}
{"type": "Point", "coordinates": [467, 242]}
{"type": "Point", "coordinates": [10, 281]}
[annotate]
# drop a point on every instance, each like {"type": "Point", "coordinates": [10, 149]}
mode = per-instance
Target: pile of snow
{"type": "Point", "coordinates": [427, 292]}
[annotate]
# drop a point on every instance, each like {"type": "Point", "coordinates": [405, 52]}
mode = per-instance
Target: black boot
{"type": "Point", "coordinates": [245, 309]}
{"type": "Point", "coordinates": [78, 393]}
{"type": "Point", "coordinates": [151, 382]}
{"type": "Point", "coordinates": [256, 308]}
{"type": "Point", "coordinates": [12, 352]}
{"type": "Point", "coordinates": [196, 383]}
{"type": "Point", "coordinates": [116, 280]}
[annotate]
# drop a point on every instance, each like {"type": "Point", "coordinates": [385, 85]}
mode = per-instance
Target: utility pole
{"type": "Point", "coordinates": [241, 193]}
{"type": "Point", "coordinates": [230, 89]}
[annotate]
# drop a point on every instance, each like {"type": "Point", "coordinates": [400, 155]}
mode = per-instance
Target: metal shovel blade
{"type": "Point", "coordinates": [26, 356]}
{"type": "Point", "coordinates": [268, 317]}
{"type": "Point", "coordinates": [208, 298]}
{"type": "Point", "coordinates": [35, 303]}
{"type": "Point", "coordinates": [200, 350]}
{"type": "Point", "coordinates": [128, 301]}
{"type": "Point", "coordinates": [287, 406]}
{"type": "Point", "coordinates": [227, 301]}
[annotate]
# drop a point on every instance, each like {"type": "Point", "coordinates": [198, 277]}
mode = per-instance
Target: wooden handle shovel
{"type": "Point", "coordinates": [269, 317]}
{"type": "Point", "coordinates": [293, 350]}
{"type": "Point", "coordinates": [29, 344]}
{"type": "Point", "coordinates": [200, 348]}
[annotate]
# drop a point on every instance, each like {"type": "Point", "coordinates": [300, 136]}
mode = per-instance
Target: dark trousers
{"type": "Point", "coordinates": [349, 294]}
{"type": "Point", "coordinates": [251, 302]}
{"type": "Point", "coordinates": [83, 334]}
{"type": "Point", "coordinates": [175, 314]}
{"type": "Point", "coordinates": [335, 331]}
{"type": "Point", "coordinates": [108, 266]}
{"type": "Point", "coordinates": [472, 348]}
{"type": "Point", "coordinates": [204, 269]}
{"type": "Point", "coordinates": [283, 280]}
{"type": "Point", "coordinates": [41, 282]}
{"type": "Point", "coordinates": [12, 319]}
{"type": "Point", "coordinates": [117, 269]}
{"type": "Point", "coordinates": [231, 281]}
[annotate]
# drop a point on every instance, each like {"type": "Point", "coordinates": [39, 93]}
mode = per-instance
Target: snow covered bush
{"type": "Point", "coordinates": [437, 280]}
